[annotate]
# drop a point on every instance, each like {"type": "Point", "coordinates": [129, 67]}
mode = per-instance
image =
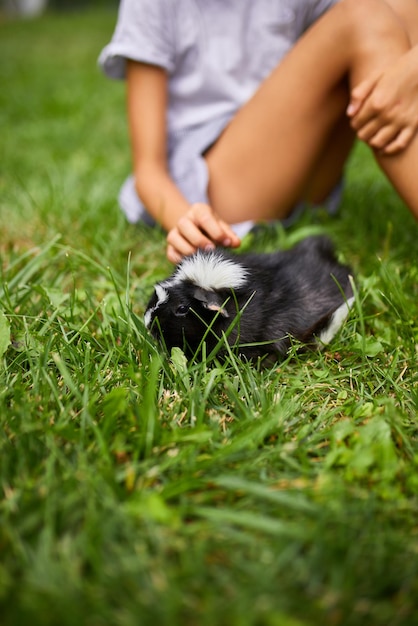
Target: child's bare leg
{"type": "Point", "coordinates": [272, 151]}
{"type": "Point", "coordinates": [329, 166]}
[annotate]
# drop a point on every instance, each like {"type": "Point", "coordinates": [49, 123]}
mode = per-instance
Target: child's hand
{"type": "Point", "coordinates": [384, 108]}
{"type": "Point", "coordinates": [198, 228]}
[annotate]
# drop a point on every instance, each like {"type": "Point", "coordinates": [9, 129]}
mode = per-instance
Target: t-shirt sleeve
{"type": "Point", "coordinates": [144, 32]}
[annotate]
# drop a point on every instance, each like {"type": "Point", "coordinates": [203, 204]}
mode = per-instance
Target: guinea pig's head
{"type": "Point", "coordinates": [196, 302]}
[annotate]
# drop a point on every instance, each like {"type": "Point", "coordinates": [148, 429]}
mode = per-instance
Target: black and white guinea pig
{"type": "Point", "coordinates": [260, 301]}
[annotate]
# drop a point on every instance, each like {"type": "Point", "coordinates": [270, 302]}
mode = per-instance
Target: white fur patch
{"type": "Point", "coordinates": [162, 295]}
{"type": "Point", "coordinates": [338, 318]}
{"type": "Point", "coordinates": [211, 271]}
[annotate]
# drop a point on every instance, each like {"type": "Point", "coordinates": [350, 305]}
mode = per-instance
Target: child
{"type": "Point", "coordinates": [240, 109]}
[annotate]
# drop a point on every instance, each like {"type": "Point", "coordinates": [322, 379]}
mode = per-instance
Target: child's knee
{"type": "Point", "coordinates": [373, 24]}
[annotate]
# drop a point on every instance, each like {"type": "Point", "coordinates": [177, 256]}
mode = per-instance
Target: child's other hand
{"type": "Point", "coordinates": [384, 108]}
{"type": "Point", "coordinates": [200, 227]}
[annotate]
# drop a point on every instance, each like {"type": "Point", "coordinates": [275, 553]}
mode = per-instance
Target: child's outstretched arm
{"type": "Point", "coordinates": [189, 226]}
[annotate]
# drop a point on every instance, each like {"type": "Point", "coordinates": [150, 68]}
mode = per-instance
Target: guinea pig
{"type": "Point", "coordinates": [258, 303]}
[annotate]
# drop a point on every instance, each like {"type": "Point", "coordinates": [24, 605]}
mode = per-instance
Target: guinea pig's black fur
{"type": "Point", "coordinates": [260, 301]}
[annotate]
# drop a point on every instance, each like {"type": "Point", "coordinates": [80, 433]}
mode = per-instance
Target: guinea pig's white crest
{"type": "Point", "coordinates": [211, 271]}
{"type": "Point", "coordinates": [162, 295]}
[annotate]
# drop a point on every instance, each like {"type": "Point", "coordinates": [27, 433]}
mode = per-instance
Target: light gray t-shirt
{"type": "Point", "coordinates": [216, 53]}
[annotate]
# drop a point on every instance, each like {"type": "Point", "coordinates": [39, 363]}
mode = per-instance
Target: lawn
{"type": "Point", "coordinates": [138, 489]}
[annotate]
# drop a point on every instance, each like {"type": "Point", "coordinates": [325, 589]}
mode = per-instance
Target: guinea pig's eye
{"type": "Point", "coordinates": [181, 310]}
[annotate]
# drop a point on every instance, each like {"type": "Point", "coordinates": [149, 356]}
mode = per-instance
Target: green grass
{"type": "Point", "coordinates": [141, 490]}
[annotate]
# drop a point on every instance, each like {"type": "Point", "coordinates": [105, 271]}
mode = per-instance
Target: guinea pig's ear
{"type": "Point", "coordinates": [211, 300]}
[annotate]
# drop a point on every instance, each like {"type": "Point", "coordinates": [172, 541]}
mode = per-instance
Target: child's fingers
{"type": "Point", "coordinates": [198, 228]}
{"type": "Point", "coordinates": [172, 255]}
{"type": "Point", "coordinates": [386, 137]}
{"type": "Point", "coordinates": [383, 137]}
{"type": "Point", "coordinates": [374, 133]}
{"type": "Point", "coordinates": [400, 142]}
{"type": "Point", "coordinates": [192, 233]}
{"type": "Point", "coordinates": [206, 220]}
{"type": "Point", "coordinates": [186, 237]}
{"type": "Point", "coordinates": [359, 94]}
{"type": "Point", "coordinates": [232, 240]}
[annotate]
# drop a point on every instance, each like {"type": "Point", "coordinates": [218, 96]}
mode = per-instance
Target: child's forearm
{"type": "Point", "coordinates": [161, 197]}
